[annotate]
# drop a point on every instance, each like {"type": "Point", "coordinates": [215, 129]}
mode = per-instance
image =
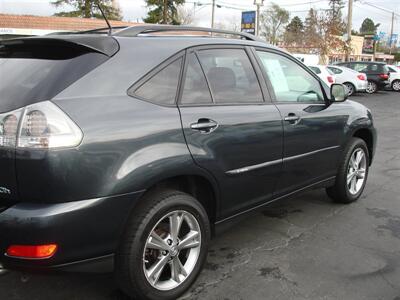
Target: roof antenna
{"type": "Point", "coordinates": [104, 16]}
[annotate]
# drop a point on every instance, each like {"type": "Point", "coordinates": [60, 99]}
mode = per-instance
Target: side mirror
{"type": "Point", "coordinates": [338, 93]}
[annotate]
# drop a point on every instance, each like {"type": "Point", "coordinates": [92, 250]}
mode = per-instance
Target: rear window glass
{"type": "Point", "coordinates": [315, 70]}
{"type": "Point", "coordinates": [30, 74]}
{"type": "Point", "coordinates": [162, 87]}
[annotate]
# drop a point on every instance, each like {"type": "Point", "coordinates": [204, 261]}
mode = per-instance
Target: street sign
{"type": "Point", "coordinates": [249, 22]}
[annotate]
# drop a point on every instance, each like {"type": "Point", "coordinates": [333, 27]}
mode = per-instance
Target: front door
{"type": "Point", "coordinates": [231, 128]}
{"type": "Point", "coordinates": [313, 130]}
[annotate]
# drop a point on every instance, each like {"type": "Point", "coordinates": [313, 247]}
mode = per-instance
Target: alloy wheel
{"type": "Point", "coordinates": [356, 171]}
{"type": "Point", "coordinates": [371, 88]}
{"type": "Point", "coordinates": [350, 89]}
{"type": "Point", "coordinates": [396, 85]}
{"type": "Point", "coordinates": [172, 250]}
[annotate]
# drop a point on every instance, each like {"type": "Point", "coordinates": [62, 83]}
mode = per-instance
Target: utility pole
{"type": "Point", "coordinates": [259, 3]}
{"type": "Point", "coordinates": [213, 14]}
{"type": "Point", "coordinates": [349, 25]}
{"type": "Point", "coordinates": [165, 11]}
{"type": "Point", "coordinates": [391, 34]}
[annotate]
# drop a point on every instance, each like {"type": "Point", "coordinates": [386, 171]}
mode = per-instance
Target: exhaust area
{"type": "Point", "coordinates": [2, 270]}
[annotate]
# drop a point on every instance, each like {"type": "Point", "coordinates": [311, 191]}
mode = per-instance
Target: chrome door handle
{"type": "Point", "coordinates": [204, 125]}
{"type": "Point", "coordinates": [292, 119]}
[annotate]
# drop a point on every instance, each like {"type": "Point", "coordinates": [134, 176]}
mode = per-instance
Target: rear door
{"type": "Point", "coordinates": [313, 130]}
{"type": "Point", "coordinates": [231, 127]}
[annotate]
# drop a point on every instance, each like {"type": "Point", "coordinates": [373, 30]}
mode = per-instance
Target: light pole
{"type": "Point", "coordinates": [213, 14]}
{"type": "Point", "coordinates": [349, 24]}
{"type": "Point", "coordinates": [259, 3]}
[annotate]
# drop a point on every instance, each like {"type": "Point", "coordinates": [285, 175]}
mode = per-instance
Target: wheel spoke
{"type": "Point", "coordinates": [359, 157]}
{"type": "Point", "coordinates": [353, 184]}
{"type": "Point", "coordinates": [155, 271]}
{"type": "Point", "coordinates": [361, 173]}
{"type": "Point", "coordinates": [177, 269]}
{"type": "Point", "coordinates": [156, 242]}
{"type": "Point", "coordinates": [353, 162]}
{"type": "Point", "coordinates": [175, 222]}
{"type": "Point", "coordinates": [350, 177]}
{"type": "Point", "coordinates": [190, 240]}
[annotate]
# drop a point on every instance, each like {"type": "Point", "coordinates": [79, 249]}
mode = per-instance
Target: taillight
{"type": "Point", "coordinates": [32, 252]}
{"type": "Point", "coordinates": [9, 128]}
{"type": "Point", "coordinates": [361, 76]}
{"type": "Point", "coordinates": [330, 79]}
{"type": "Point", "coordinates": [384, 76]}
{"type": "Point", "coordinates": [41, 126]}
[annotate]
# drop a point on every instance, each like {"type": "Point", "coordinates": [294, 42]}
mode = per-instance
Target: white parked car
{"type": "Point", "coordinates": [354, 81]}
{"type": "Point", "coordinates": [394, 77]}
{"type": "Point", "coordinates": [324, 73]}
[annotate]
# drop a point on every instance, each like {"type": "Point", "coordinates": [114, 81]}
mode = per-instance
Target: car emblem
{"type": "Point", "coordinates": [3, 190]}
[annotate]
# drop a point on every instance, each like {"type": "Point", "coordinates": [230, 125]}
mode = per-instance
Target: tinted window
{"type": "Point", "coordinates": [391, 69]}
{"type": "Point", "coordinates": [359, 67]}
{"type": "Point", "coordinates": [291, 83]}
{"type": "Point", "coordinates": [230, 75]}
{"type": "Point", "coordinates": [315, 70]}
{"type": "Point", "coordinates": [195, 90]}
{"type": "Point", "coordinates": [162, 87]}
{"type": "Point", "coordinates": [335, 70]}
{"type": "Point", "coordinates": [30, 74]}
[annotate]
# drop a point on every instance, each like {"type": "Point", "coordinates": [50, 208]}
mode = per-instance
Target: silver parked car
{"type": "Point", "coordinates": [394, 77]}
{"type": "Point", "coordinates": [354, 81]}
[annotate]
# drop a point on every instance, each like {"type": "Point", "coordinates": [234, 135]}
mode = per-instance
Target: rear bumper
{"type": "Point", "coordinates": [87, 232]}
{"type": "Point", "coordinates": [361, 85]}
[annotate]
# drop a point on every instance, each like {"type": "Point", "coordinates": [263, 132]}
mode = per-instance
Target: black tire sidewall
{"type": "Point", "coordinates": [140, 286]}
{"type": "Point", "coordinates": [393, 85]}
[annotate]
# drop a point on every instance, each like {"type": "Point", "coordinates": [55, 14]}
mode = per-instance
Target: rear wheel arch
{"type": "Point", "coordinates": [198, 186]}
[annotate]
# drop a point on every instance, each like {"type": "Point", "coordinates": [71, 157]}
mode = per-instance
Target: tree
{"type": "Point", "coordinates": [311, 28]}
{"type": "Point", "coordinates": [185, 16]}
{"type": "Point", "coordinates": [88, 9]}
{"type": "Point", "coordinates": [335, 17]}
{"type": "Point", "coordinates": [369, 27]}
{"type": "Point", "coordinates": [294, 32]}
{"type": "Point", "coordinates": [163, 11]}
{"type": "Point", "coordinates": [272, 22]}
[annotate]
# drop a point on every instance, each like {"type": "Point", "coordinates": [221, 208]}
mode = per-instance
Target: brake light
{"type": "Point", "coordinates": [384, 76]}
{"type": "Point", "coordinates": [32, 252]}
{"type": "Point", "coordinates": [41, 126]}
{"type": "Point", "coordinates": [361, 77]}
{"type": "Point", "coordinates": [330, 79]}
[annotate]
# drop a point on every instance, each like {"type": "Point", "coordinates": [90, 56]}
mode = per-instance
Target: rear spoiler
{"type": "Point", "coordinates": [106, 45]}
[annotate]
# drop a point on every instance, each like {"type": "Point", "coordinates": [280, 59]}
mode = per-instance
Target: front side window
{"type": "Point", "coordinates": [230, 75]}
{"type": "Point", "coordinates": [290, 82]}
{"type": "Point", "coordinates": [162, 87]}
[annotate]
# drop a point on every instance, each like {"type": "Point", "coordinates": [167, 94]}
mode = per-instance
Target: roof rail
{"type": "Point", "coordinates": [101, 30]}
{"type": "Point", "coordinates": [137, 30]}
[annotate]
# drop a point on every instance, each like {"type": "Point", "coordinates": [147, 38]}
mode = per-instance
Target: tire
{"type": "Point", "coordinates": [351, 89]}
{"type": "Point", "coordinates": [396, 85]}
{"type": "Point", "coordinates": [344, 191]}
{"type": "Point", "coordinates": [372, 87]}
{"type": "Point", "coordinates": [137, 253]}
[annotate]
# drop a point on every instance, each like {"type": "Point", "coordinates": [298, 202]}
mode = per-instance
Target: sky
{"type": "Point", "coordinates": [135, 10]}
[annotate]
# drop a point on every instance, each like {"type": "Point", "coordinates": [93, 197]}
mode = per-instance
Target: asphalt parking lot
{"type": "Point", "coordinates": [302, 248]}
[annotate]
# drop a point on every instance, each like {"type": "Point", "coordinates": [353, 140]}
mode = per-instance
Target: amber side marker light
{"type": "Point", "coordinates": [32, 252]}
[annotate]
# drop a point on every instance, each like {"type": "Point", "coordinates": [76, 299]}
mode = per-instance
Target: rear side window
{"type": "Point", "coordinates": [36, 72]}
{"type": "Point", "coordinates": [161, 88]}
{"type": "Point", "coordinates": [315, 70]}
{"type": "Point", "coordinates": [195, 90]}
{"type": "Point", "coordinates": [335, 70]}
{"type": "Point", "coordinates": [230, 75]}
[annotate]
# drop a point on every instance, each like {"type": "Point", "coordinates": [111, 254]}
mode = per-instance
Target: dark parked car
{"type": "Point", "coordinates": [377, 73]}
{"type": "Point", "coordinates": [127, 152]}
